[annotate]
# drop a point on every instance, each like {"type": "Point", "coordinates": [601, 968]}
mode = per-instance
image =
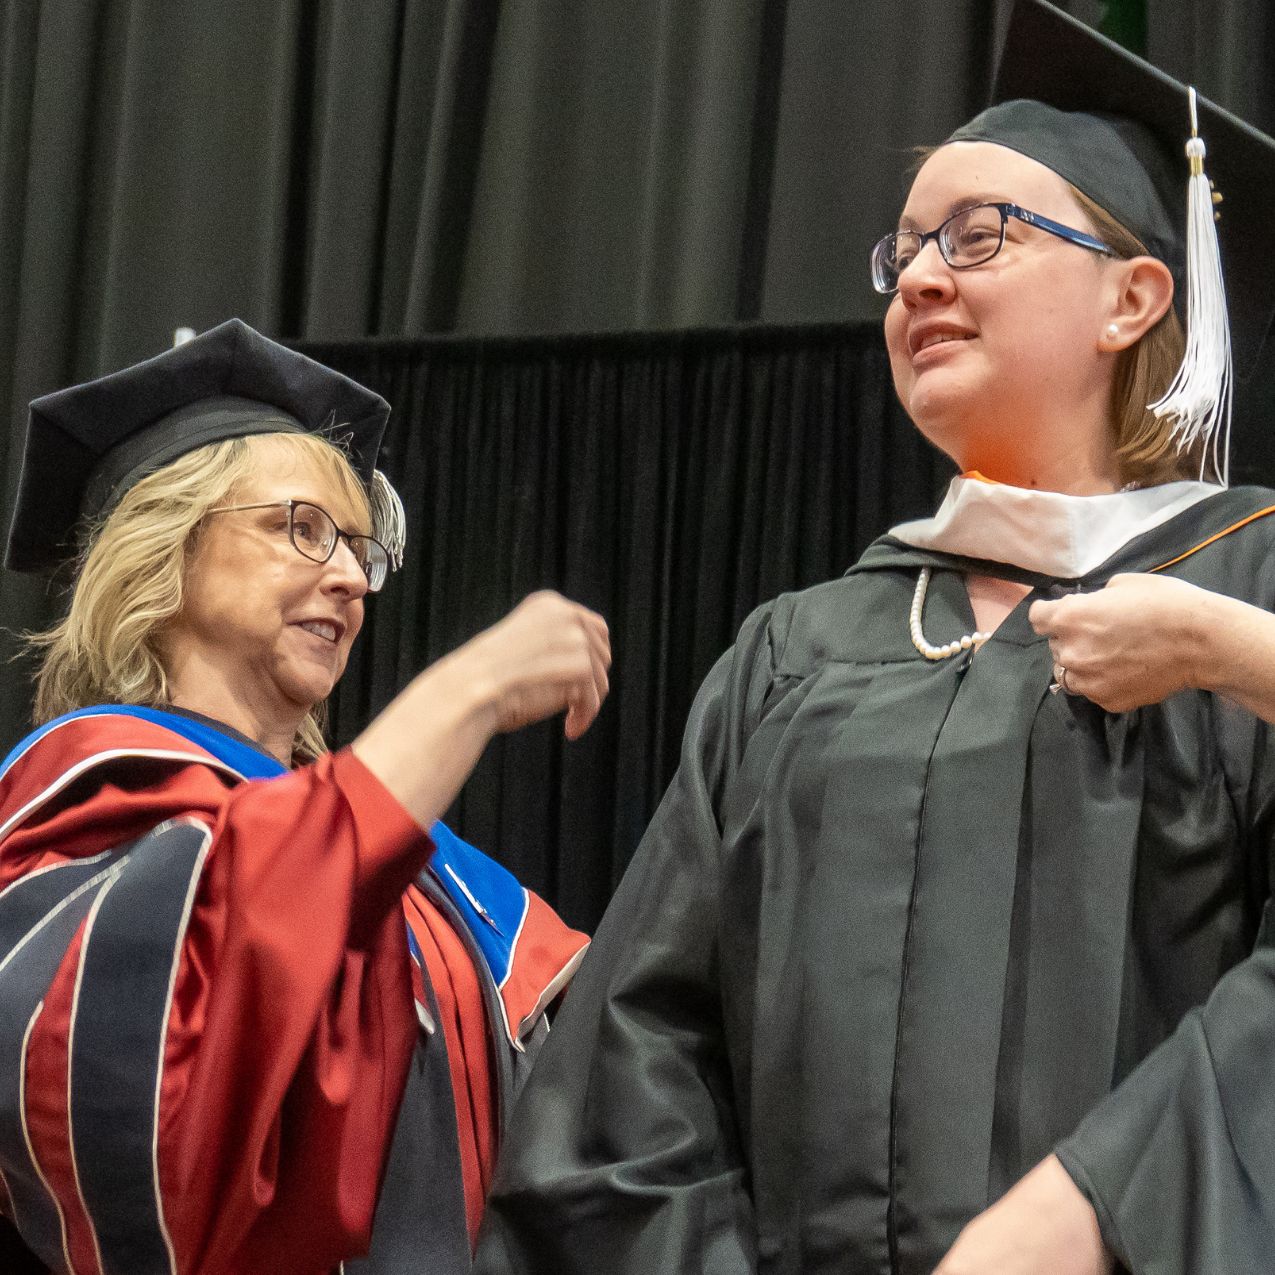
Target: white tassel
{"type": "Point", "coordinates": [1199, 400]}
{"type": "Point", "coordinates": [389, 522]}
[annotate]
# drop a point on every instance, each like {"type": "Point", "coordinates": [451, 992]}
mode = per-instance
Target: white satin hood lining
{"type": "Point", "coordinates": [1046, 531]}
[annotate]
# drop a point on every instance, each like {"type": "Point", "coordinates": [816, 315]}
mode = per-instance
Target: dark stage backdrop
{"type": "Point", "coordinates": [336, 169]}
{"type": "Point", "coordinates": [672, 482]}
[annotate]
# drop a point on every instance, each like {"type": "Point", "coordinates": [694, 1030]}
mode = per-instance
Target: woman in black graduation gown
{"type": "Point", "coordinates": [922, 967]}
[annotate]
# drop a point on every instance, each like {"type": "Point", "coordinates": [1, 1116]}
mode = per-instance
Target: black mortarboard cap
{"type": "Point", "coordinates": [1126, 152]}
{"type": "Point", "coordinates": [87, 445]}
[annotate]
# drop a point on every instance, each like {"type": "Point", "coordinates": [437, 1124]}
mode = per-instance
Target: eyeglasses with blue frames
{"type": "Point", "coordinates": [315, 535]}
{"type": "Point", "coordinates": [967, 238]}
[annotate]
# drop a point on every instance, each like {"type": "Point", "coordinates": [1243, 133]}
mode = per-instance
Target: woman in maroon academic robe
{"type": "Point", "coordinates": [259, 1012]}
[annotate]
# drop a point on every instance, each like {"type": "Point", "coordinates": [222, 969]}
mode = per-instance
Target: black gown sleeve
{"type": "Point", "coordinates": [1178, 1160]}
{"type": "Point", "coordinates": [623, 1154]}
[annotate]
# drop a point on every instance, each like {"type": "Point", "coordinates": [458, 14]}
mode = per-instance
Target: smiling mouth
{"type": "Point", "coordinates": [324, 629]}
{"type": "Point", "coordinates": [939, 338]}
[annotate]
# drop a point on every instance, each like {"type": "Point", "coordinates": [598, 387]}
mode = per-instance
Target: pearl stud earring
{"type": "Point", "coordinates": [1112, 331]}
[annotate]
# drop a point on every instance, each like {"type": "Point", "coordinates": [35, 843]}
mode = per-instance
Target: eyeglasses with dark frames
{"type": "Point", "coordinates": [315, 535]}
{"type": "Point", "coordinates": [967, 238]}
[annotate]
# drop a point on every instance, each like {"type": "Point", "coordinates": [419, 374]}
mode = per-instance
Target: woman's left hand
{"type": "Point", "coordinates": [1042, 1226]}
{"type": "Point", "coordinates": [1134, 642]}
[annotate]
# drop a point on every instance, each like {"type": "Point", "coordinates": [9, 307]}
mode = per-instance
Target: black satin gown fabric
{"type": "Point", "coordinates": [899, 930]}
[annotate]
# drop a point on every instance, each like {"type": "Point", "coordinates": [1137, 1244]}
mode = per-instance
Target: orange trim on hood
{"type": "Point", "coordinates": [1204, 544]}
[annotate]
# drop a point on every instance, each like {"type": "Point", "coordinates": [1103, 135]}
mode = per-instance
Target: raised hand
{"type": "Point", "coordinates": [546, 655]}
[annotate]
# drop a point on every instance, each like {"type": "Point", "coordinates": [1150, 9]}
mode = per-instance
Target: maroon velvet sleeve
{"type": "Point", "coordinates": [292, 1021]}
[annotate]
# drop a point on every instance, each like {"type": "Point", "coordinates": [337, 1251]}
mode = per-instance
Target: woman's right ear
{"type": "Point", "coordinates": [1143, 297]}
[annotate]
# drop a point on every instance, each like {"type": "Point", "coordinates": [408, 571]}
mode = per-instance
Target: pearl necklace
{"type": "Point", "coordinates": [970, 641]}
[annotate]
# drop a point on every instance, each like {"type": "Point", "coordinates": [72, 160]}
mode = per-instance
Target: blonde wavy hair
{"type": "Point", "coordinates": [131, 581]}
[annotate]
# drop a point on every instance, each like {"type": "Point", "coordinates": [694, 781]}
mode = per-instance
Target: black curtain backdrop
{"type": "Point", "coordinates": [341, 168]}
{"type": "Point", "coordinates": [672, 483]}
{"type": "Point", "coordinates": [334, 169]}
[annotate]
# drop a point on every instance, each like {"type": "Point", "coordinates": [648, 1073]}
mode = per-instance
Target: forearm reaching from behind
{"type": "Point", "coordinates": [1145, 637]}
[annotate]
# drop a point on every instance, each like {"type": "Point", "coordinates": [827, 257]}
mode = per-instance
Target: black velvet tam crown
{"type": "Point", "coordinates": [87, 445]}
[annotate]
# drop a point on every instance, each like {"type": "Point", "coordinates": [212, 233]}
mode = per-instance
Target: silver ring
{"type": "Point", "coordinates": [1060, 678]}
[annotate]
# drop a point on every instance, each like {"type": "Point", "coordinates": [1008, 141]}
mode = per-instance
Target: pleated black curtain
{"type": "Point", "coordinates": [342, 168]}
{"type": "Point", "coordinates": [672, 483]}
